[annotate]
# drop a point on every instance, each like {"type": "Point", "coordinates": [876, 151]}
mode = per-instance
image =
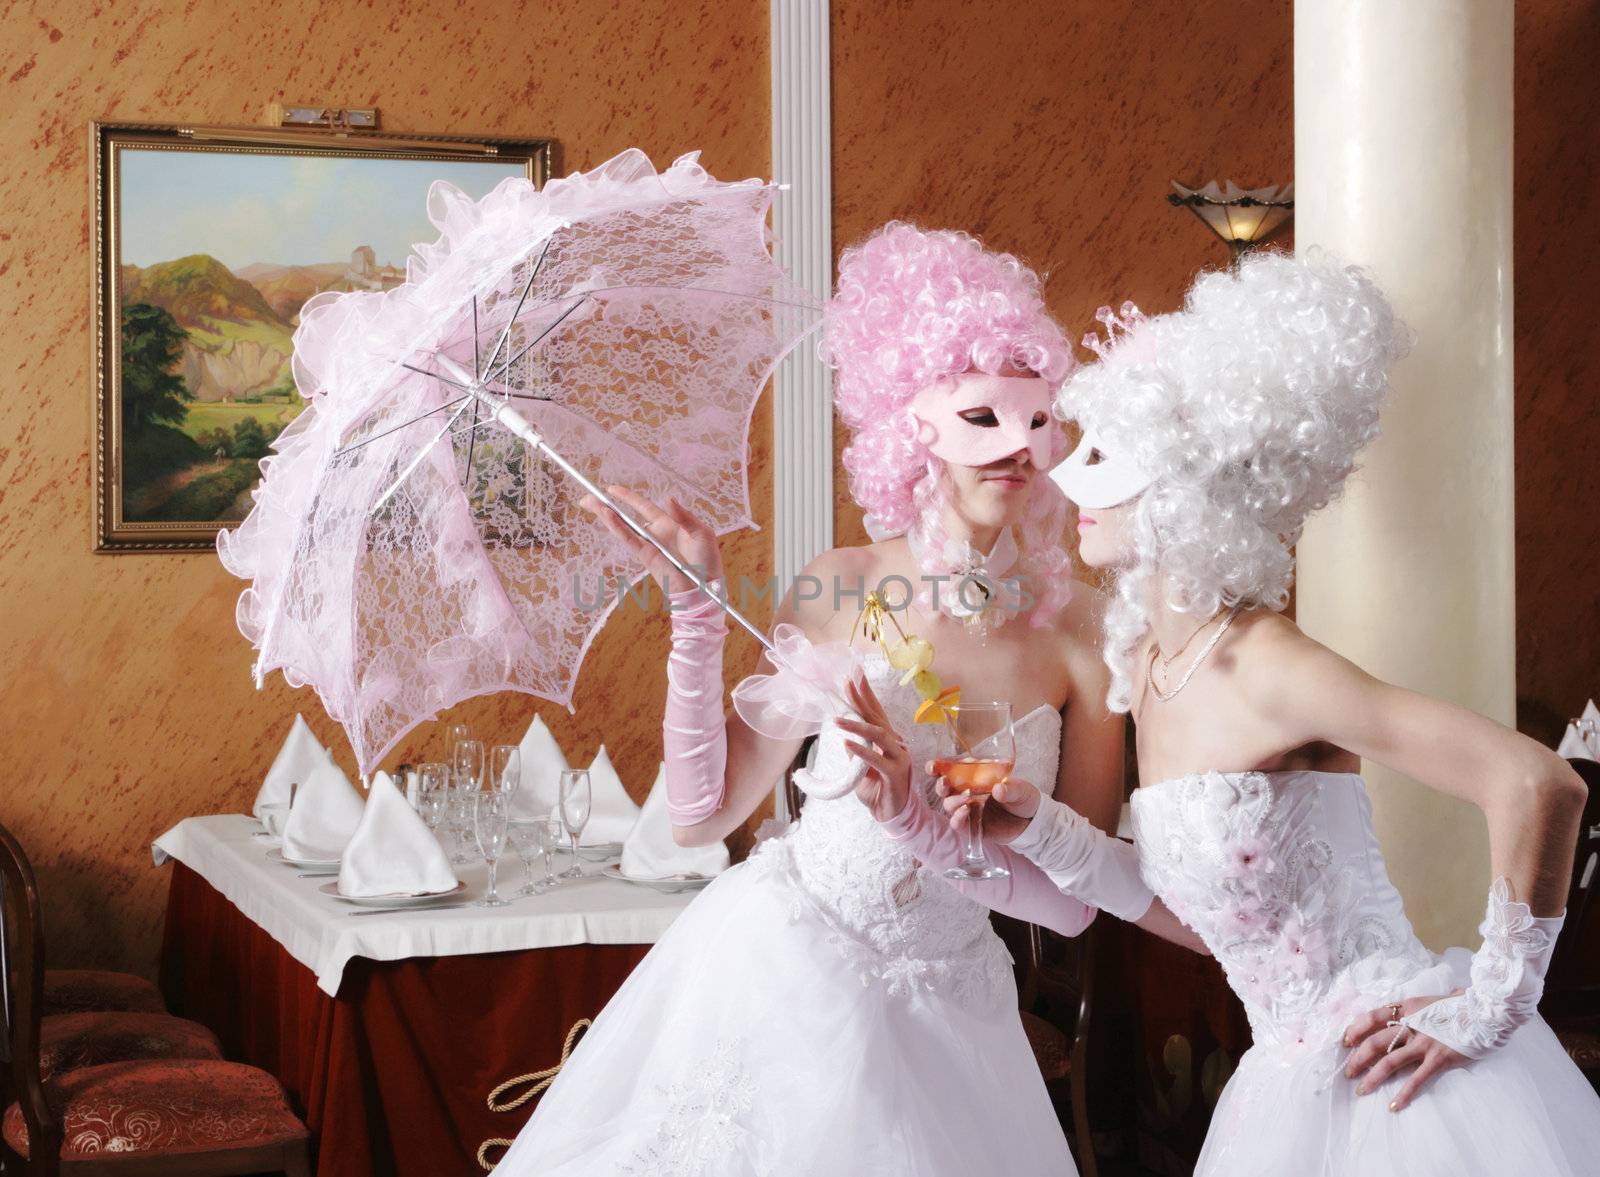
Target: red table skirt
{"type": "Point", "coordinates": [393, 1074]}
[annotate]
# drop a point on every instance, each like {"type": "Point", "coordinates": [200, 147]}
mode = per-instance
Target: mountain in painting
{"type": "Point", "coordinates": [238, 344]}
{"type": "Point", "coordinates": [286, 288]}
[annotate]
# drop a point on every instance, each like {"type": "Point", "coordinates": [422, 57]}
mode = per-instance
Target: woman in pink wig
{"type": "Point", "coordinates": [834, 1004]}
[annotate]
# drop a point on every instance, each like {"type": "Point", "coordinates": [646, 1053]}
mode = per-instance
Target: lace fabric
{"type": "Point", "coordinates": [1507, 978]}
{"type": "Point", "coordinates": [899, 922]}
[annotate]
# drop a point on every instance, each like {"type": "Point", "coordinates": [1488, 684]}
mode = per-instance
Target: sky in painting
{"type": "Point", "coordinates": [282, 209]}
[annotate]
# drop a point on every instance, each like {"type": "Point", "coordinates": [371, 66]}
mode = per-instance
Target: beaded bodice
{"type": "Point", "coordinates": [1280, 873]}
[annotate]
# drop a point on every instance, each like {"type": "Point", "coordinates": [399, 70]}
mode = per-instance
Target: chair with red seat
{"type": "Point", "coordinates": [191, 1117]}
{"type": "Point", "coordinates": [80, 991]}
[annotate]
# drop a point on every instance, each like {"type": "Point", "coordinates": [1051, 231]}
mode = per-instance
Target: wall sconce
{"type": "Point", "coordinates": [1243, 217]}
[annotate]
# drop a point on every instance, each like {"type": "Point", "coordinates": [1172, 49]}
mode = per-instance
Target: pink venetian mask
{"type": "Point", "coordinates": [975, 418]}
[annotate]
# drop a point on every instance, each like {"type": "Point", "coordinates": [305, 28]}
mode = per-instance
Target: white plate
{"type": "Point", "coordinates": [315, 866]}
{"type": "Point", "coordinates": [600, 851]}
{"type": "Point", "coordinates": [669, 886]}
{"type": "Point", "coordinates": [421, 900]}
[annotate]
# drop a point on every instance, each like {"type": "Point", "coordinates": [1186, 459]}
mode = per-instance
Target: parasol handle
{"type": "Point", "coordinates": [516, 423]}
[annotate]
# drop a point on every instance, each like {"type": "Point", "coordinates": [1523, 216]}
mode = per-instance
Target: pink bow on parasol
{"type": "Point", "coordinates": [416, 539]}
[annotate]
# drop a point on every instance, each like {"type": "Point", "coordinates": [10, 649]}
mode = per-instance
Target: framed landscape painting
{"type": "Point", "coordinates": [205, 251]}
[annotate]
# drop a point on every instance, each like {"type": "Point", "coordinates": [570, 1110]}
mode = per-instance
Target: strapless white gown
{"type": "Point", "coordinates": [825, 1008]}
{"type": "Point", "coordinates": [1281, 875]}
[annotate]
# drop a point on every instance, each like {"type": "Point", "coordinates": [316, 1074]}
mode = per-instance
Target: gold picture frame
{"type": "Point", "coordinates": [191, 347]}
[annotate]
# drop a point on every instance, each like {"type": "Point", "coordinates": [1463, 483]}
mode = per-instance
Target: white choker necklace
{"type": "Point", "coordinates": [972, 590]}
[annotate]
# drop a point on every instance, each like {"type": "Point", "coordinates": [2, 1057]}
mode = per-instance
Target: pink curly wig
{"type": "Point", "coordinates": [913, 307]}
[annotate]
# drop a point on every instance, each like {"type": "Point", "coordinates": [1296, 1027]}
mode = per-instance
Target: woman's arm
{"type": "Point", "coordinates": [1531, 798]}
{"type": "Point", "coordinates": [718, 769]}
{"type": "Point", "coordinates": [1533, 803]}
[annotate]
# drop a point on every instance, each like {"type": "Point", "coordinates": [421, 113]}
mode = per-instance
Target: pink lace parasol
{"type": "Point", "coordinates": [416, 538]}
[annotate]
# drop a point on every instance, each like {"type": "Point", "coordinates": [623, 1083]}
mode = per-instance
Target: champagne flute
{"type": "Point", "coordinates": [490, 813]}
{"type": "Point", "coordinates": [575, 798]}
{"type": "Point", "coordinates": [468, 766]}
{"type": "Point", "coordinates": [453, 735]}
{"type": "Point", "coordinates": [505, 768]}
{"type": "Point", "coordinates": [981, 751]}
{"type": "Point", "coordinates": [433, 794]}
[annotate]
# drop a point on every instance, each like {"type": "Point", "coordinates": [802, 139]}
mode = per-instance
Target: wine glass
{"type": "Point", "coordinates": [548, 831]}
{"type": "Point", "coordinates": [453, 735]}
{"type": "Point", "coordinates": [490, 815]}
{"type": "Point", "coordinates": [524, 837]}
{"type": "Point", "coordinates": [980, 752]}
{"type": "Point", "coordinates": [575, 798]}
{"type": "Point", "coordinates": [505, 768]}
{"type": "Point", "coordinates": [433, 794]}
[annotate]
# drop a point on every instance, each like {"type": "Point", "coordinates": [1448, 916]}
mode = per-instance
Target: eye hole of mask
{"type": "Point", "coordinates": [983, 418]}
{"type": "Point", "coordinates": [1040, 420]}
{"type": "Point", "coordinates": [1095, 457]}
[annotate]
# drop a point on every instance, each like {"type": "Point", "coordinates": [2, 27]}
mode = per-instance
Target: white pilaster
{"type": "Point", "coordinates": [802, 402]}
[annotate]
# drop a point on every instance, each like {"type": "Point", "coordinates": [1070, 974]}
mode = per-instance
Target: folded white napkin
{"type": "Point", "coordinates": [612, 813]}
{"type": "Point", "coordinates": [392, 851]}
{"type": "Point", "coordinates": [542, 765]}
{"type": "Point", "coordinates": [300, 754]}
{"type": "Point", "coordinates": [1573, 746]}
{"type": "Point", "coordinates": [650, 852]}
{"type": "Point", "coordinates": [326, 811]}
{"type": "Point", "coordinates": [1591, 734]}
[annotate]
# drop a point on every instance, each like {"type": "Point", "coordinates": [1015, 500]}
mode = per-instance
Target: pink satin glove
{"type": "Point", "coordinates": [694, 734]}
{"type": "Point", "coordinates": [1028, 894]}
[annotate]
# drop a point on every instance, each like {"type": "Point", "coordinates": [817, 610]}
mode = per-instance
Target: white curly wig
{"type": "Point", "coordinates": [1249, 407]}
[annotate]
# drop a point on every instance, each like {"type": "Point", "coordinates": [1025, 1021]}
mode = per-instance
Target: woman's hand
{"type": "Point", "coordinates": [1381, 1048]}
{"type": "Point", "coordinates": [689, 537]}
{"type": "Point", "coordinates": [886, 785]}
{"type": "Point", "coordinates": [1014, 802]}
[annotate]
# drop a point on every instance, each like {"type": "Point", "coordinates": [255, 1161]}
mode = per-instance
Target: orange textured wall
{"type": "Point", "coordinates": [1053, 130]}
{"type": "Point", "coordinates": [1557, 242]}
{"type": "Point", "coordinates": [125, 693]}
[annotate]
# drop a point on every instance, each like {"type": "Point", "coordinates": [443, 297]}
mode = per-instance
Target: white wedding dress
{"type": "Point", "coordinates": [1282, 877]}
{"type": "Point", "coordinates": [825, 1008]}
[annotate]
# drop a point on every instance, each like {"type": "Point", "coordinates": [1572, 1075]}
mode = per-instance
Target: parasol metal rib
{"type": "Point", "coordinates": [516, 423]}
{"type": "Point", "coordinates": [423, 452]}
{"type": "Point", "coordinates": [538, 339]}
{"type": "Point", "coordinates": [505, 332]}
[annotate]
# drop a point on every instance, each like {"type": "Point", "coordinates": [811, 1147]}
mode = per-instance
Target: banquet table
{"type": "Point", "coordinates": [389, 1030]}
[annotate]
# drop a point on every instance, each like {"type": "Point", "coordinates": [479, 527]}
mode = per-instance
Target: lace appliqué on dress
{"type": "Point", "coordinates": [704, 1125]}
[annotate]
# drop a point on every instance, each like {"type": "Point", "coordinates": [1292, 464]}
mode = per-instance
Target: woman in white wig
{"type": "Point", "coordinates": [1209, 436]}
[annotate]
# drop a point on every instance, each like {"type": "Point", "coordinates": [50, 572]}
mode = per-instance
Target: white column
{"type": "Point", "coordinates": [802, 223]}
{"type": "Point", "coordinates": [1403, 164]}
{"type": "Point", "coordinates": [802, 402]}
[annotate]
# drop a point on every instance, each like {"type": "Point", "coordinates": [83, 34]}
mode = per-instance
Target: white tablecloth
{"type": "Point", "coordinates": [321, 933]}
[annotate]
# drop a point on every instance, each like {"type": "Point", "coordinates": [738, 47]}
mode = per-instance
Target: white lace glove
{"type": "Point", "coordinates": [1507, 978]}
{"type": "Point", "coordinates": [1083, 860]}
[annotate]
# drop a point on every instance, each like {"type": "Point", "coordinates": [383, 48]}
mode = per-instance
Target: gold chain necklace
{"type": "Point", "coordinates": [1168, 659]}
{"type": "Point", "coordinates": [1150, 677]}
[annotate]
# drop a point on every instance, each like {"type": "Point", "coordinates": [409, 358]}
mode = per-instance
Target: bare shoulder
{"type": "Point", "coordinates": [830, 587]}
{"type": "Point", "coordinates": [1275, 662]}
{"type": "Point", "coordinates": [1077, 633]}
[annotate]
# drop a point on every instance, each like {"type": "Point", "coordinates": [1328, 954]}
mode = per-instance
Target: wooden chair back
{"type": "Point", "coordinates": [1575, 968]}
{"type": "Point", "coordinates": [22, 933]}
